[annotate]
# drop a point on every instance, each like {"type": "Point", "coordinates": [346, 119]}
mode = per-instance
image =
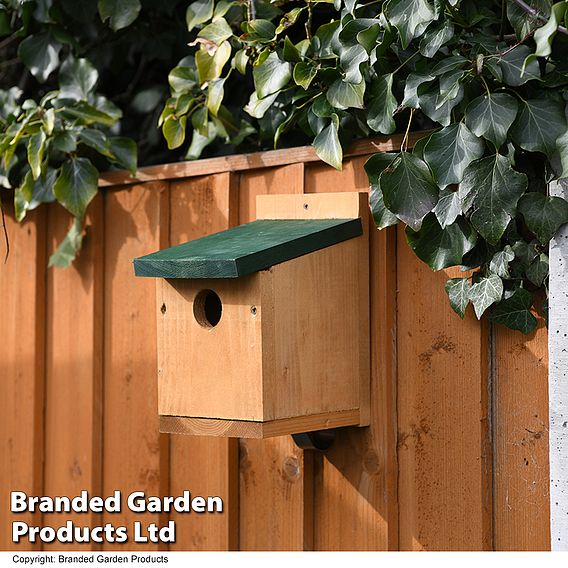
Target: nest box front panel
{"type": "Point", "coordinates": [210, 348]}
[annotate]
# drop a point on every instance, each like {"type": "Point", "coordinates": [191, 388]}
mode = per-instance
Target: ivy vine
{"type": "Point", "coordinates": [486, 80]}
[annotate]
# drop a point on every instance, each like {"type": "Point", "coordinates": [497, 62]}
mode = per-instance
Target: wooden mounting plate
{"type": "Point", "coordinates": [250, 429]}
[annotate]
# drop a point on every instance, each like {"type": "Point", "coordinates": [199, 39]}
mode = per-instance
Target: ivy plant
{"type": "Point", "coordinates": [486, 81]}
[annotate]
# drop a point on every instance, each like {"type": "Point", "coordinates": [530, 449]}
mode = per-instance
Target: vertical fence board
{"type": "Point", "coordinates": [520, 424]}
{"type": "Point", "coordinates": [22, 353]}
{"type": "Point", "coordinates": [275, 476]}
{"type": "Point", "coordinates": [203, 465]}
{"type": "Point", "coordinates": [355, 489]}
{"type": "Point", "coordinates": [73, 397]}
{"type": "Point", "coordinates": [133, 448]}
{"type": "Point", "coordinates": [443, 448]}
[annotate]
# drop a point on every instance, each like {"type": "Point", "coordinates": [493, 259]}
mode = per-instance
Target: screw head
{"type": "Point", "coordinates": [253, 310]}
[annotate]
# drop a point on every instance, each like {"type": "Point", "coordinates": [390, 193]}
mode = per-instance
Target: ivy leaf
{"type": "Point", "coordinates": [344, 95]}
{"type": "Point", "coordinates": [382, 106]}
{"type": "Point", "coordinates": [545, 34]}
{"type": "Point", "coordinates": [210, 66]}
{"type": "Point", "coordinates": [458, 294]}
{"type": "Point", "coordinates": [350, 59]}
{"type": "Point", "coordinates": [40, 54]}
{"type": "Point", "coordinates": [95, 139]}
{"type": "Point", "coordinates": [514, 312]}
{"type": "Point", "coordinates": [32, 193]}
{"type": "Point", "coordinates": [304, 74]}
{"type": "Point", "coordinates": [36, 147]}
{"type": "Point", "coordinates": [500, 262]}
{"type": "Point", "coordinates": [449, 151]}
{"type": "Point", "coordinates": [409, 17]}
{"type": "Point", "coordinates": [515, 72]}
{"type": "Point", "coordinates": [437, 105]}
{"type": "Point", "coordinates": [199, 12]}
{"type": "Point", "coordinates": [485, 292]}
{"type": "Point", "coordinates": [216, 32]}
{"type": "Point", "coordinates": [76, 185]}
{"type": "Point", "coordinates": [491, 116]}
{"type": "Point", "coordinates": [440, 248]}
{"type": "Point", "coordinates": [435, 38]}
{"type": "Point", "coordinates": [124, 152]}
{"type": "Point", "coordinates": [327, 145]}
{"type": "Point", "coordinates": [493, 188]}
{"type": "Point", "coordinates": [215, 94]}
{"type": "Point", "coordinates": [257, 107]}
{"type": "Point", "coordinates": [539, 124]}
{"type": "Point", "coordinates": [121, 13]}
{"type": "Point", "coordinates": [174, 131]}
{"type": "Point", "coordinates": [448, 208]}
{"type": "Point", "coordinates": [88, 114]}
{"type": "Point", "coordinates": [543, 215]}
{"type": "Point", "coordinates": [77, 79]}
{"type": "Point", "coordinates": [66, 252]}
{"type": "Point", "coordinates": [408, 189]}
{"type": "Point", "coordinates": [271, 75]}
{"type": "Point", "coordinates": [374, 166]}
{"type": "Point", "coordinates": [289, 19]}
{"type": "Point", "coordinates": [537, 272]}
{"type": "Point", "coordinates": [413, 82]}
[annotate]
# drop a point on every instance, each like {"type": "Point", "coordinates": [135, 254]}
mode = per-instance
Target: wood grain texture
{"type": "Point", "coordinates": [355, 480]}
{"type": "Point", "coordinates": [259, 160]}
{"type": "Point", "coordinates": [73, 427]}
{"type": "Point", "coordinates": [276, 482]}
{"type": "Point", "coordinates": [245, 249]}
{"type": "Point", "coordinates": [134, 451]}
{"type": "Point", "coordinates": [520, 430]}
{"type": "Point", "coordinates": [22, 350]}
{"type": "Point", "coordinates": [250, 429]}
{"type": "Point", "coordinates": [443, 442]}
{"type": "Point", "coordinates": [206, 466]}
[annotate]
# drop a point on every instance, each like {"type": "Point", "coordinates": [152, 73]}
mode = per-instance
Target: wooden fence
{"type": "Point", "coordinates": [456, 457]}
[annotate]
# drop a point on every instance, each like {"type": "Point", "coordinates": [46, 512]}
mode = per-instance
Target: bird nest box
{"type": "Point", "coordinates": [263, 329]}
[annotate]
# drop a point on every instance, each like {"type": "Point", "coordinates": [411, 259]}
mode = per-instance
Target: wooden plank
{"type": "Point", "coordinates": [208, 466]}
{"type": "Point", "coordinates": [134, 451]}
{"type": "Point", "coordinates": [443, 446]}
{"type": "Point", "coordinates": [22, 353]}
{"type": "Point", "coordinates": [520, 425]}
{"type": "Point", "coordinates": [248, 162]}
{"type": "Point", "coordinates": [276, 482]}
{"type": "Point", "coordinates": [557, 383]}
{"type": "Point", "coordinates": [250, 429]}
{"type": "Point", "coordinates": [355, 486]}
{"type": "Point", "coordinates": [73, 428]}
{"type": "Point", "coordinates": [245, 249]}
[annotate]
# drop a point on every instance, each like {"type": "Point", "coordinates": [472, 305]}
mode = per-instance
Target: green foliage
{"type": "Point", "coordinates": [488, 79]}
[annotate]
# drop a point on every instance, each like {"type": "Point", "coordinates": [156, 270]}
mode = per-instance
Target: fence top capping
{"type": "Point", "coordinates": [247, 248]}
{"type": "Point", "coordinates": [257, 160]}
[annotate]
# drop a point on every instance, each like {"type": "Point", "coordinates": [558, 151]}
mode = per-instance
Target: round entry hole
{"type": "Point", "coordinates": [207, 308]}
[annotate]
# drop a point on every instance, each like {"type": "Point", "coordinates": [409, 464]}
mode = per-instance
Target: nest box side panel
{"type": "Point", "coordinates": [318, 319]}
{"type": "Point", "coordinates": [207, 371]}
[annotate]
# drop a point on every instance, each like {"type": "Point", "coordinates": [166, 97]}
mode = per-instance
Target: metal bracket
{"type": "Point", "coordinates": [320, 440]}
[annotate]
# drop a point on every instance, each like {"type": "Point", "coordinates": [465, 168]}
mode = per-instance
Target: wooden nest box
{"type": "Point", "coordinates": [263, 329]}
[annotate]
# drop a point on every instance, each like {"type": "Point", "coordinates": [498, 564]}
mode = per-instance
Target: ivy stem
{"type": "Point", "coordinates": [485, 84]}
{"type": "Point", "coordinates": [251, 10]}
{"type": "Point", "coordinates": [309, 20]}
{"type": "Point", "coordinates": [405, 62]}
{"type": "Point", "coordinates": [536, 14]}
{"type": "Point", "coordinates": [404, 145]}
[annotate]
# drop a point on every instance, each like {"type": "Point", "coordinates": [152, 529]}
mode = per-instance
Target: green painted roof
{"type": "Point", "coordinates": [247, 248]}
